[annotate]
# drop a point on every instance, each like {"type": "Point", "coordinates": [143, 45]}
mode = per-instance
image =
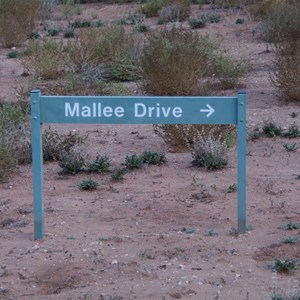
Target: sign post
{"type": "Point", "coordinates": [134, 110]}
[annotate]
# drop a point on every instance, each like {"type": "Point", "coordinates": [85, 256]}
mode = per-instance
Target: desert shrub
{"type": "Point", "coordinates": [80, 24]}
{"type": "Point", "coordinates": [153, 158]}
{"type": "Point", "coordinates": [15, 135]}
{"type": "Point", "coordinates": [133, 162]}
{"type": "Point", "coordinates": [271, 129]}
{"type": "Point", "coordinates": [182, 136]}
{"type": "Point", "coordinates": [196, 23]}
{"type": "Point", "coordinates": [55, 143]}
{"type": "Point", "coordinates": [88, 185]}
{"type": "Point", "coordinates": [111, 52]}
{"type": "Point", "coordinates": [8, 162]}
{"type": "Point", "coordinates": [177, 10]}
{"type": "Point", "coordinates": [73, 161]}
{"type": "Point", "coordinates": [209, 152]}
{"type": "Point", "coordinates": [151, 8]}
{"type": "Point", "coordinates": [100, 164]}
{"type": "Point", "coordinates": [286, 76]}
{"type": "Point", "coordinates": [173, 62]}
{"type": "Point", "coordinates": [17, 21]}
{"type": "Point", "coordinates": [285, 266]}
{"type": "Point", "coordinates": [45, 59]}
{"type": "Point", "coordinates": [228, 71]}
{"type": "Point", "coordinates": [281, 20]}
{"type": "Point", "coordinates": [46, 8]}
{"type": "Point", "coordinates": [71, 7]}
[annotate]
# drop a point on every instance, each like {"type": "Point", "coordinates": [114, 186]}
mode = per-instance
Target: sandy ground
{"type": "Point", "coordinates": [145, 237]}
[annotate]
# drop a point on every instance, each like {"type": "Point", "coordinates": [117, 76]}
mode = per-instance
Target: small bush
{"type": "Point", "coordinates": [210, 153]}
{"type": "Point", "coordinates": [153, 158]}
{"type": "Point", "coordinates": [8, 162]}
{"type": "Point", "coordinates": [151, 8]}
{"type": "Point", "coordinates": [17, 21]}
{"type": "Point", "coordinates": [211, 232]}
{"type": "Point", "coordinates": [81, 24]}
{"type": "Point", "coordinates": [88, 185]}
{"type": "Point", "coordinates": [228, 71]}
{"type": "Point", "coordinates": [118, 174]}
{"type": "Point", "coordinates": [73, 161]}
{"type": "Point", "coordinates": [46, 59]}
{"type": "Point", "coordinates": [12, 54]}
{"type": "Point", "coordinates": [55, 143]}
{"type": "Point", "coordinates": [290, 240]}
{"type": "Point", "coordinates": [196, 23]}
{"type": "Point", "coordinates": [110, 51]}
{"type": "Point", "coordinates": [211, 18]}
{"type": "Point", "coordinates": [100, 164]}
{"type": "Point", "coordinates": [290, 147]}
{"type": "Point", "coordinates": [175, 11]}
{"type": "Point", "coordinates": [174, 62]}
{"type": "Point", "coordinates": [14, 138]}
{"type": "Point", "coordinates": [34, 35]}
{"type": "Point", "coordinates": [293, 131]}
{"type": "Point", "coordinates": [53, 32]}
{"type": "Point", "coordinates": [134, 162]}
{"type": "Point", "coordinates": [142, 27]}
{"type": "Point", "coordinates": [270, 129]}
{"type": "Point", "coordinates": [281, 20]}
{"type": "Point", "coordinates": [286, 76]}
{"type": "Point", "coordinates": [231, 189]}
{"type": "Point", "coordinates": [69, 33]}
{"type": "Point", "coordinates": [239, 21]}
{"type": "Point", "coordinates": [291, 226]}
{"type": "Point", "coordinates": [285, 266]}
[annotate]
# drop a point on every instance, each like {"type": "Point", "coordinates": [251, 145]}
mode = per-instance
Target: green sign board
{"type": "Point", "coordinates": [134, 110]}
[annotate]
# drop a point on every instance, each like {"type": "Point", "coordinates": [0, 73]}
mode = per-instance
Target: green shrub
{"type": "Point", "coordinates": [80, 24]}
{"type": "Point", "coordinates": [211, 18]}
{"type": "Point", "coordinates": [291, 226]}
{"type": "Point", "coordinates": [151, 8]}
{"type": "Point", "coordinates": [45, 59]}
{"type": "Point", "coordinates": [228, 71]}
{"type": "Point", "coordinates": [118, 174]}
{"type": "Point", "coordinates": [112, 52]}
{"type": "Point", "coordinates": [17, 21]}
{"type": "Point", "coordinates": [142, 27]}
{"type": "Point", "coordinates": [69, 33]}
{"type": "Point", "coordinates": [88, 185]}
{"type": "Point", "coordinates": [100, 164]}
{"type": "Point", "coordinates": [270, 129]}
{"type": "Point", "coordinates": [285, 266]}
{"type": "Point", "coordinates": [293, 131]}
{"type": "Point", "coordinates": [133, 162]}
{"type": "Point", "coordinates": [153, 158]}
{"type": "Point", "coordinates": [210, 153]}
{"type": "Point", "coordinates": [53, 32]}
{"type": "Point", "coordinates": [12, 54]}
{"type": "Point", "coordinates": [290, 147]}
{"type": "Point", "coordinates": [196, 23]}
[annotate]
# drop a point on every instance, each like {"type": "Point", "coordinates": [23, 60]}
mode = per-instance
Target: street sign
{"type": "Point", "coordinates": [134, 110]}
{"type": "Point", "coordinates": [138, 110]}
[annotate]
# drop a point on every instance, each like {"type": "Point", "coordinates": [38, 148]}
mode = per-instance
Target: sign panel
{"type": "Point", "coordinates": [139, 110]}
{"type": "Point", "coordinates": [134, 110]}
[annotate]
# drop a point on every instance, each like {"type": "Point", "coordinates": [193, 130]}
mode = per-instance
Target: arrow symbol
{"type": "Point", "coordinates": [209, 110]}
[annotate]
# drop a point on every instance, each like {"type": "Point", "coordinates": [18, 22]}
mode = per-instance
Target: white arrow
{"type": "Point", "coordinates": [209, 110]}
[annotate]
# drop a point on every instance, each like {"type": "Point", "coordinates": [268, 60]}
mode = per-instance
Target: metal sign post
{"type": "Point", "coordinates": [134, 110]}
